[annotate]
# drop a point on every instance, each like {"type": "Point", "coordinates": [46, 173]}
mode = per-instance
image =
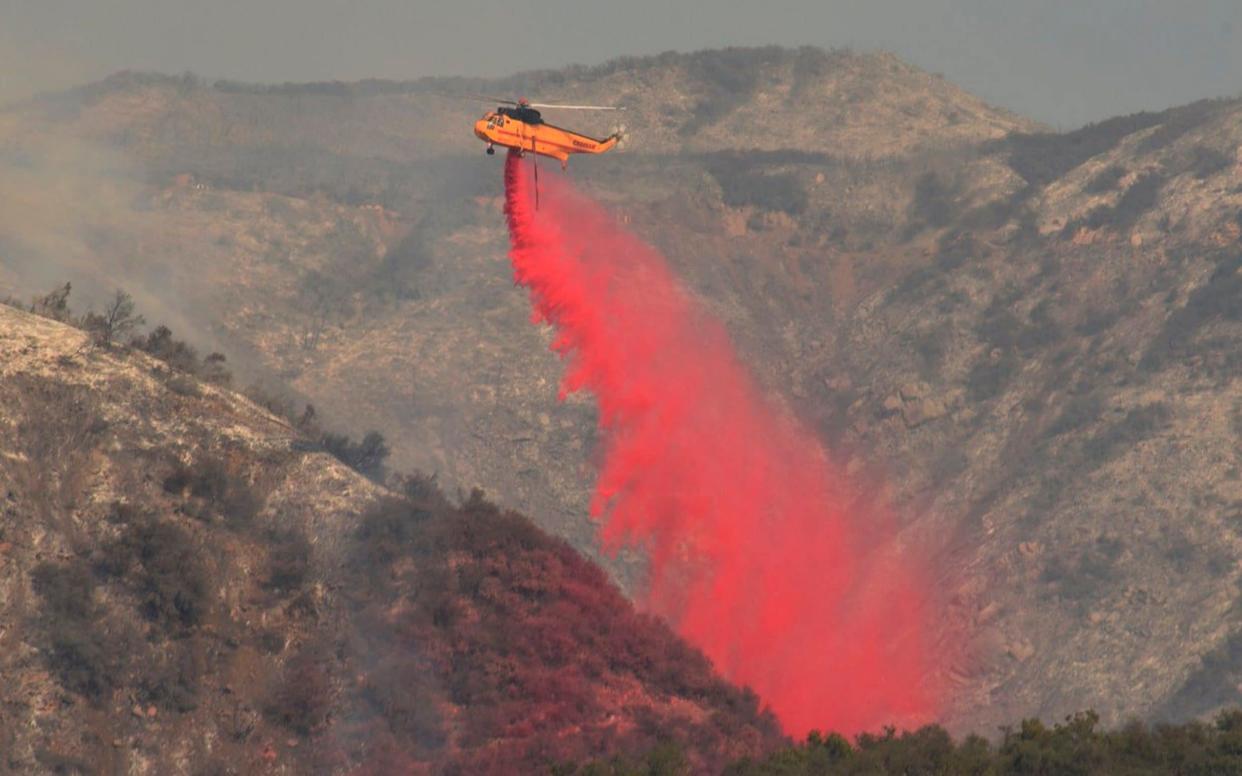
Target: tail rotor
{"type": "Point", "coordinates": [621, 133]}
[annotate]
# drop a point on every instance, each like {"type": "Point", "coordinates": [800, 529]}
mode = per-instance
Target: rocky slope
{"type": "Point", "coordinates": [1031, 338]}
{"type": "Point", "coordinates": [187, 587]}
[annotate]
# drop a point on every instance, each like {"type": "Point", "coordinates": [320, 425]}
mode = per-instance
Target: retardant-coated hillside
{"type": "Point", "coordinates": [188, 586]}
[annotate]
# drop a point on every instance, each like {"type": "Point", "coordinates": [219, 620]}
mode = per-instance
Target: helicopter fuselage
{"type": "Point", "coordinates": [508, 127]}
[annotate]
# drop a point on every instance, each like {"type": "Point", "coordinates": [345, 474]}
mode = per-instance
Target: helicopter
{"type": "Point", "coordinates": [519, 125]}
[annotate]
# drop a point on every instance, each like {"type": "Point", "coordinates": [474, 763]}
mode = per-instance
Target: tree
{"type": "Point", "coordinates": [54, 304]}
{"type": "Point", "coordinates": [117, 321]}
{"type": "Point", "coordinates": [214, 370]}
{"type": "Point", "coordinates": [366, 457]}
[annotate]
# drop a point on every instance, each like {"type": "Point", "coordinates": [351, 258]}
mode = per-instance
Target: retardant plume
{"type": "Point", "coordinates": [753, 556]}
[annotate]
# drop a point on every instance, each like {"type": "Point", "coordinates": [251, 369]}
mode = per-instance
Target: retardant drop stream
{"type": "Point", "coordinates": [753, 556]}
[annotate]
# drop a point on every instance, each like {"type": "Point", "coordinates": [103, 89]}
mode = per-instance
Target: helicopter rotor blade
{"type": "Point", "coordinates": [575, 107]}
{"type": "Point", "coordinates": [503, 101]}
{"type": "Point", "coordinates": [475, 97]}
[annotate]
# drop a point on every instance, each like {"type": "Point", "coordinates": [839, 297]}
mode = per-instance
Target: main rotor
{"type": "Point", "coordinates": [523, 102]}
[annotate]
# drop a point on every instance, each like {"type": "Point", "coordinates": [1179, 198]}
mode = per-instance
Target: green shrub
{"type": "Point", "coordinates": [54, 304]}
{"type": "Point", "coordinates": [1217, 299]}
{"type": "Point", "coordinates": [741, 186]}
{"type": "Point", "coordinates": [68, 591]}
{"type": "Point", "coordinates": [933, 201]}
{"type": "Point", "coordinates": [159, 343]}
{"type": "Point", "coordinates": [401, 689]}
{"type": "Point", "coordinates": [1080, 580]}
{"type": "Point", "coordinates": [289, 559]}
{"type": "Point", "coordinates": [1078, 413]}
{"type": "Point", "coordinates": [163, 564]}
{"type": "Point", "coordinates": [1178, 121]}
{"type": "Point", "coordinates": [1206, 161]}
{"type": "Point", "coordinates": [1141, 197]}
{"type": "Point", "coordinates": [62, 764]}
{"type": "Point", "coordinates": [82, 655]}
{"type": "Point", "coordinates": [989, 377]}
{"type": "Point", "coordinates": [366, 457]}
{"type": "Point", "coordinates": [171, 680]}
{"type": "Point", "coordinates": [1106, 179]}
{"type": "Point", "coordinates": [213, 491]}
{"type": "Point", "coordinates": [728, 76]}
{"type": "Point", "coordinates": [302, 696]}
{"type": "Point", "coordinates": [1137, 425]}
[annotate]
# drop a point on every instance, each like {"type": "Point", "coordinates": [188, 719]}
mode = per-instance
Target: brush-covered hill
{"type": "Point", "coordinates": [188, 586]}
{"type": "Point", "coordinates": [1061, 390]}
{"type": "Point", "coordinates": [1030, 337]}
{"type": "Point", "coordinates": [345, 239]}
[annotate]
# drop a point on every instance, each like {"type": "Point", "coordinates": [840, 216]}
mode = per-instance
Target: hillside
{"type": "Point", "coordinates": [1030, 339]}
{"type": "Point", "coordinates": [187, 586]}
{"type": "Point", "coordinates": [363, 272]}
{"type": "Point", "coordinates": [1061, 391]}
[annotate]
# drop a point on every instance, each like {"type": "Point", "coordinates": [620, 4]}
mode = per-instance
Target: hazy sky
{"type": "Point", "coordinates": [1062, 61]}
